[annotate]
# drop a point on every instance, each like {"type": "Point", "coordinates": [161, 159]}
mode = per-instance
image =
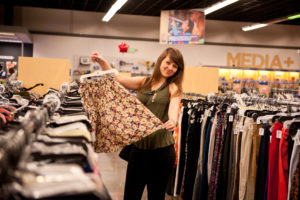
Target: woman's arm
{"type": "Point", "coordinates": [173, 108]}
{"type": "Point", "coordinates": [132, 83]}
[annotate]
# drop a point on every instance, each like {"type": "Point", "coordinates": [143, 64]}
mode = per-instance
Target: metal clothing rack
{"type": "Point", "coordinates": [194, 95]}
{"type": "Point", "coordinates": [14, 144]}
{"type": "Point", "coordinates": [270, 101]}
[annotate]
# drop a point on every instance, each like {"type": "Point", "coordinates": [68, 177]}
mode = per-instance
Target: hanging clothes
{"type": "Point", "coordinates": [244, 153]}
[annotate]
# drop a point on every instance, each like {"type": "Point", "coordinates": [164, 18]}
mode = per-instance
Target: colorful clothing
{"type": "Point", "coordinates": [117, 117]}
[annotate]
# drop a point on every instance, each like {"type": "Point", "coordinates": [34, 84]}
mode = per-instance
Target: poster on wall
{"type": "Point", "coordinates": [182, 27]}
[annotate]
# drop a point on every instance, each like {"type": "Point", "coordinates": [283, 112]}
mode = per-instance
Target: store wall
{"type": "Point", "coordinates": [72, 47]}
{"type": "Point", "coordinates": [71, 34]}
{"type": "Point", "coordinates": [136, 26]}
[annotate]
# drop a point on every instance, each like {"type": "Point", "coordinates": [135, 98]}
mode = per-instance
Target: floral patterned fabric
{"type": "Point", "coordinates": [118, 118]}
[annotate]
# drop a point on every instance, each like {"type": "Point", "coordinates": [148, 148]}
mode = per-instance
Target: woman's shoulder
{"type": "Point", "coordinates": [173, 89]}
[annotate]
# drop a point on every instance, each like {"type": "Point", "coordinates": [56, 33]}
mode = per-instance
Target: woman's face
{"type": "Point", "coordinates": [185, 25]}
{"type": "Point", "coordinates": [167, 67]}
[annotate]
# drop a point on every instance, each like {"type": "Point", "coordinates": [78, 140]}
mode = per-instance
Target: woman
{"type": "Point", "coordinates": [198, 20]}
{"type": "Point", "coordinates": [152, 158]}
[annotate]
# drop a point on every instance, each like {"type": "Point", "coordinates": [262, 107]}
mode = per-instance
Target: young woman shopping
{"type": "Point", "coordinates": [152, 158]}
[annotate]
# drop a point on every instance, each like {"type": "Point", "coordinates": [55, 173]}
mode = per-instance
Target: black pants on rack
{"type": "Point", "coordinates": [151, 168]}
{"type": "Point", "coordinates": [192, 154]}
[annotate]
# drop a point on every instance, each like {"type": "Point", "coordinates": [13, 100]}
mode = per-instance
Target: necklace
{"type": "Point", "coordinates": [157, 90]}
{"type": "Point", "coordinates": [154, 96]}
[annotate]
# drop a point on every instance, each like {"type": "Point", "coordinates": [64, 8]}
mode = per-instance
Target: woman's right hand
{"type": "Point", "coordinates": [95, 57]}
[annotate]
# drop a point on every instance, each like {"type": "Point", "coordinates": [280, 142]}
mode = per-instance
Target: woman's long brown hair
{"type": "Point", "coordinates": [176, 56]}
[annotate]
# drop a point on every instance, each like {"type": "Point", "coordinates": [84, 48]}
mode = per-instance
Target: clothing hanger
{"type": "Point", "coordinates": [282, 119]}
{"type": "Point", "coordinates": [98, 73]}
{"type": "Point", "coordinates": [293, 129]}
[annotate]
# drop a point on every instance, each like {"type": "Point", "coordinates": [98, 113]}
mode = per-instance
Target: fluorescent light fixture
{"type": "Point", "coordinates": [6, 34]}
{"type": "Point", "coordinates": [218, 6]}
{"type": "Point", "coordinates": [267, 23]}
{"type": "Point", "coordinates": [11, 41]}
{"type": "Point", "coordinates": [294, 17]}
{"type": "Point", "coordinates": [114, 8]}
{"type": "Point", "coordinates": [254, 26]}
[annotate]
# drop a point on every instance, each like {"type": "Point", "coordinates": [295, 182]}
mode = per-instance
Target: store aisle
{"type": "Point", "coordinates": [113, 172]}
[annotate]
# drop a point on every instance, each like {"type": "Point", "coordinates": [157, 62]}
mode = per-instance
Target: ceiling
{"type": "Point", "coordinates": [243, 10]}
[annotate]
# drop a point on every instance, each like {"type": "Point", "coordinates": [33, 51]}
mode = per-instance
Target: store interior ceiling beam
{"type": "Point", "coordinates": [98, 5]}
{"type": "Point", "coordinates": [85, 4]}
{"type": "Point", "coordinates": [275, 21]}
{"type": "Point", "coordinates": [136, 7]}
{"type": "Point", "coordinates": [150, 7]}
{"type": "Point", "coordinates": [249, 11]}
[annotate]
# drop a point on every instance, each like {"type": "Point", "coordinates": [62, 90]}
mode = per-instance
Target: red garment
{"type": "Point", "coordinates": [283, 166]}
{"type": "Point", "coordinates": [273, 163]}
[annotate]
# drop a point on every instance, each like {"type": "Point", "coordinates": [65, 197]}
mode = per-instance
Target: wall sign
{"type": "Point", "coordinates": [260, 61]}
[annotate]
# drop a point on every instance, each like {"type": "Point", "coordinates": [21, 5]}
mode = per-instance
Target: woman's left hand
{"type": "Point", "coordinates": [170, 125]}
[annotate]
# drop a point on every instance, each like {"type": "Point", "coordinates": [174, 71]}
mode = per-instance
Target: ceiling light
{"type": "Point", "coordinates": [275, 21]}
{"type": "Point", "coordinates": [294, 17]}
{"type": "Point", "coordinates": [254, 26]}
{"type": "Point", "coordinates": [218, 6]}
{"type": "Point", "coordinates": [114, 8]}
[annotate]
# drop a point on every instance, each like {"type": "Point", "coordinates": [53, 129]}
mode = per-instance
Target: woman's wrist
{"type": "Point", "coordinates": [174, 122]}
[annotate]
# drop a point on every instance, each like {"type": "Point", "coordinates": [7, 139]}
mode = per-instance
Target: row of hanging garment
{"type": "Point", "coordinates": [46, 151]}
{"type": "Point", "coordinates": [244, 150]}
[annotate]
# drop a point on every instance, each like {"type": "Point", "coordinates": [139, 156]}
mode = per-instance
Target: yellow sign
{"type": "Point", "coordinates": [253, 60]}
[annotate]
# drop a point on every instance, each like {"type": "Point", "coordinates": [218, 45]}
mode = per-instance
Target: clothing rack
{"type": "Point", "coordinates": [194, 94]}
{"type": "Point", "coordinates": [269, 101]}
{"type": "Point", "coordinates": [13, 144]}
{"type": "Point", "coordinates": [212, 139]}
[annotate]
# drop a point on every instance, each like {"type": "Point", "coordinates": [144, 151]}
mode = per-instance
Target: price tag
{"type": "Point", "coordinates": [228, 110]}
{"type": "Point", "coordinates": [230, 118]}
{"type": "Point", "coordinates": [278, 134]}
{"type": "Point", "coordinates": [251, 127]}
{"type": "Point", "coordinates": [297, 141]}
{"type": "Point", "coordinates": [261, 131]}
{"type": "Point", "coordinates": [270, 138]}
{"type": "Point", "coordinates": [202, 117]}
{"type": "Point", "coordinates": [236, 131]}
{"type": "Point", "coordinates": [241, 128]}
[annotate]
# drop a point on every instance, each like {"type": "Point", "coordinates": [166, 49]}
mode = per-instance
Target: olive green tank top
{"type": "Point", "coordinates": [157, 102]}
